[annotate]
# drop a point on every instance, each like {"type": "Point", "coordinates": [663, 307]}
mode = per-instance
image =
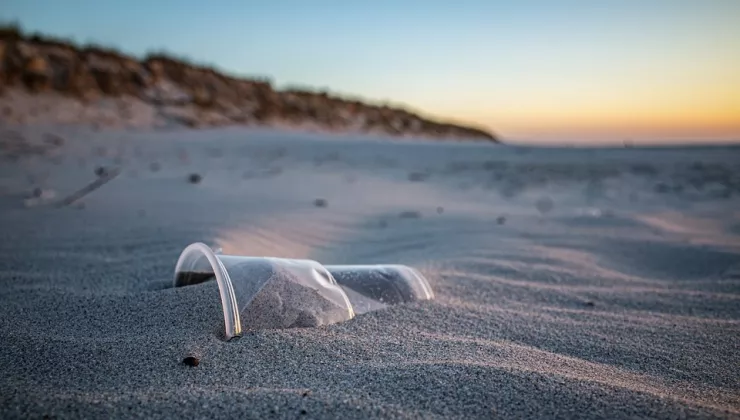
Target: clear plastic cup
{"type": "Point", "coordinates": [267, 293]}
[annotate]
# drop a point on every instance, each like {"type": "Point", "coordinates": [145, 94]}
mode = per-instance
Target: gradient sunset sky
{"type": "Point", "coordinates": [531, 70]}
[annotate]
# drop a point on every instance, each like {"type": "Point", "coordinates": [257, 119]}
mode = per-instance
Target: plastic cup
{"type": "Point", "coordinates": [268, 293]}
{"type": "Point", "coordinates": [260, 293]}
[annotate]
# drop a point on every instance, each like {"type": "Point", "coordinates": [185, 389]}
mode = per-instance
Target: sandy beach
{"type": "Point", "coordinates": [570, 283]}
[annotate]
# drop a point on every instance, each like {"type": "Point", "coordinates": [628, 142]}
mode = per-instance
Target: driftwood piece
{"type": "Point", "coordinates": [89, 188]}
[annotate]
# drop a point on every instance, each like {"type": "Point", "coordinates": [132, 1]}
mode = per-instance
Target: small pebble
{"type": "Point", "coordinates": [306, 394]}
{"type": "Point", "coordinates": [101, 171]}
{"type": "Point", "coordinates": [501, 220]}
{"type": "Point", "coordinates": [194, 178]}
{"type": "Point", "coordinates": [303, 412]}
{"type": "Point", "coordinates": [320, 202]}
{"type": "Point", "coordinates": [590, 304]}
{"type": "Point", "coordinates": [410, 215]}
{"type": "Point", "coordinates": [191, 361]}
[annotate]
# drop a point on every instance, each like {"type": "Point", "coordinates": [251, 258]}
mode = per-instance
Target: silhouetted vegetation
{"type": "Point", "coordinates": [59, 64]}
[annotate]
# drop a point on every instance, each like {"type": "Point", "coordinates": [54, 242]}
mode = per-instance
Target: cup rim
{"type": "Point", "coordinates": [232, 320]}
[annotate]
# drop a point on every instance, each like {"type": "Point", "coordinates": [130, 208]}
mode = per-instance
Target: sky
{"type": "Point", "coordinates": [539, 71]}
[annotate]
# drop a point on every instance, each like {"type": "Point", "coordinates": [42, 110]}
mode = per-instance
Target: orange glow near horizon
{"type": "Point", "coordinates": [649, 120]}
{"type": "Point", "coordinates": [671, 90]}
{"type": "Point", "coordinates": [703, 112]}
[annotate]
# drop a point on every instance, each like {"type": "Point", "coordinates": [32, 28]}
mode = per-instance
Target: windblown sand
{"type": "Point", "coordinates": [569, 283]}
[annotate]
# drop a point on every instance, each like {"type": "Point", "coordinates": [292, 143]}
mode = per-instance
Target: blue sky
{"type": "Point", "coordinates": [547, 70]}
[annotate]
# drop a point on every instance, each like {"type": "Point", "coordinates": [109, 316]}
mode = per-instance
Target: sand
{"type": "Point", "coordinates": [570, 283]}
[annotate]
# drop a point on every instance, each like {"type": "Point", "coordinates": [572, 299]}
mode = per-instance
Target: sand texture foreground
{"type": "Point", "coordinates": [570, 283]}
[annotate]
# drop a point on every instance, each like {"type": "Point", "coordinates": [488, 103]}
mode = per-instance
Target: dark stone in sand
{"type": "Point", "coordinates": [410, 215]}
{"type": "Point", "coordinates": [320, 202]}
{"type": "Point", "coordinates": [194, 178]}
{"type": "Point", "coordinates": [306, 394]}
{"type": "Point", "coordinates": [191, 361]}
{"type": "Point", "coordinates": [303, 412]}
{"type": "Point", "coordinates": [501, 220]}
{"type": "Point", "coordinates": [101, 171]}
{"type": "Point", "coordinates": [590, 304]}
{"type": "Point", "coordinates": [36, 193]}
